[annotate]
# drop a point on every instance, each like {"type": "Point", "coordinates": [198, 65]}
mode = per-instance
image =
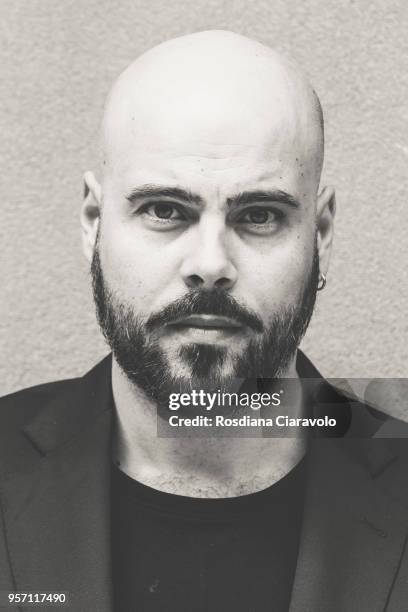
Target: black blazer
{"type": "Point", "coordinates": [55, 501]}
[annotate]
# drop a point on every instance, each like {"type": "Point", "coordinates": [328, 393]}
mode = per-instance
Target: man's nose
{"type": "Point", "coordinates": [209, 264]}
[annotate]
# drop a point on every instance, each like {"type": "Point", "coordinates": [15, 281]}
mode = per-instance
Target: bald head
{"type": "Point", "coordinates": [208, 93]}
{"type": "Point", "coordinates": [213, 147]}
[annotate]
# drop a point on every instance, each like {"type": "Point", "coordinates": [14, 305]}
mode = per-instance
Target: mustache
{"type": "Point", "coordinates": [215, 302]}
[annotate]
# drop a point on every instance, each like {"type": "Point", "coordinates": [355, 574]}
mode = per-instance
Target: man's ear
{"type": "Point", "coordinates": [325, 212]}
{"type": "Point", "coordinates": [90, 213]}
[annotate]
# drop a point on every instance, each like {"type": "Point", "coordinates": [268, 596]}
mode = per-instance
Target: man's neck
{"type": "Point", "coordinates": [198, 466]}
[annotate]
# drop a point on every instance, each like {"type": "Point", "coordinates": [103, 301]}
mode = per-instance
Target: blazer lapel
{"type": "Point", "coordinates": [57, 513]}
{"type": "Point", "coordinates": [353, 534]}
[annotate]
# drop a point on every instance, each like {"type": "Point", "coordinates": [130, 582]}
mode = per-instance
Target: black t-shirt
{"type": "Point", "coordinates": [174, 553]}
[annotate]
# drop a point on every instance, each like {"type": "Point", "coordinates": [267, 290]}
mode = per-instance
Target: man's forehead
{"type": "Point", "coordinates": [174, 158]}
{"type": "Point", "coordinates": [209, 166]}
{"type": "Point", "coordinates": [207, 142]}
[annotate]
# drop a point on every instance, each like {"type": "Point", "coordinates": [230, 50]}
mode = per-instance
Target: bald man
{"type": "Point", "coordinates": [137, 487]}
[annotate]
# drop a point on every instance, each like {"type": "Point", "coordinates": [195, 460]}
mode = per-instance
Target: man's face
{"type": "Point", "coordinates": [206, 250]}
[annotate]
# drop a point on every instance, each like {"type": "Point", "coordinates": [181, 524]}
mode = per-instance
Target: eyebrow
{"type": "Point", "coordinates": [240, 199]}
{"type": "Point", "coordinates": [158, 191]}
{"type": "Point", "coordinates": [271, 195]}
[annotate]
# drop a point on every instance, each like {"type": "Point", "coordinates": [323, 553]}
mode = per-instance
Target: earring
{"type": "Point", "coordinates": [322, 281]}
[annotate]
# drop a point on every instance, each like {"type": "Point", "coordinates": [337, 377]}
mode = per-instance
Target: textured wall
{"type": "Point", "coordinates": [58, 59]}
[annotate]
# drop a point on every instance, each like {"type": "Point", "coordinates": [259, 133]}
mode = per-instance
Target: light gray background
{"type": "Point", "coordinates": [58, 60]}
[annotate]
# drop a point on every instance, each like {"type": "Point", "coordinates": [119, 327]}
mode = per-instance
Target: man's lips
{"type": "Point", "coordinates": [206, 321]}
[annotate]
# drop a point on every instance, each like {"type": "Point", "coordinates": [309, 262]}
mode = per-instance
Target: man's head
{"type": "Point", "coordinates": [207, 232]}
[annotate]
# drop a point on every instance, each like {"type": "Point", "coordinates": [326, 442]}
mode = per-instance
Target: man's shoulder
{"type": "Point", "coordinates": [43, 417]}
{"type": "Point", "coordinates": [370, 420]}
{"type": "Point", "coordinates": [358, 417]}
{"type": "Point", "coordinates": [19, 409]}
{"type": "Point", "coordinates": [19, 405]}
{"type": "Point", "coordinates": [35, 392]}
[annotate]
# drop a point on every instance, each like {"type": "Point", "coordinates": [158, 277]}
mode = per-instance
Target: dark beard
{"type": "Point", "coordinates": [147, 366]}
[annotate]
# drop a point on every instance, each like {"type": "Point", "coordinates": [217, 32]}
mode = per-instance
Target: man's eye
{"type": "Point", "coordinates": [260, 216]}
{"type": "Point", "coordinates": [164, 211]}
